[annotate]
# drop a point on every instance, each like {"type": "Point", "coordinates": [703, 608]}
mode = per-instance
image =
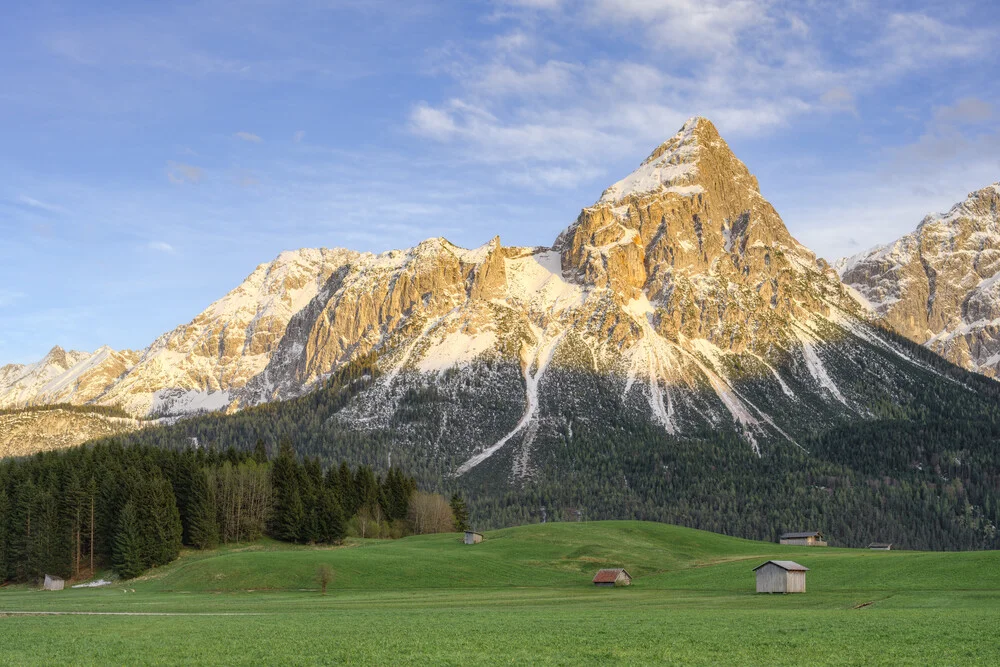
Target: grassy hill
{"type": "Point", "coordinates": [567, 555]}
{"type": "Point", "coordinates": [524, 595]}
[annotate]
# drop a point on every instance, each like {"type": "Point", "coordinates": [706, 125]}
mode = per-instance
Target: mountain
{"type": "Point", "coordinates": [27, 431]}
{"type": "Point", "coordinates": [675, 355]}
{"type": "Point", "coordinates": [680, 291]}
{"type": "Point", "coordinates": [940, 285]}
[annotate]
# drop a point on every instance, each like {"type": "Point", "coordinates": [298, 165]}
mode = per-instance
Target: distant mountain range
{"type": "Point", "coordinates": [678, 297]}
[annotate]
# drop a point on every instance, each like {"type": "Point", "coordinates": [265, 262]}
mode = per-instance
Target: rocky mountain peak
{"type": "Point", "coordinates": [940, 284]}
{"type": "Point", "coordinates": [690, 232]}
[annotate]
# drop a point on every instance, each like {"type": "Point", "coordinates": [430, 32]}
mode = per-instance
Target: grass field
{"type": "Point", "coordinates": [523, 596]}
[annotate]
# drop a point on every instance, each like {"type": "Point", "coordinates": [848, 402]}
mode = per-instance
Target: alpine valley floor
{"type": "Point", "coordinates": [522, 596]}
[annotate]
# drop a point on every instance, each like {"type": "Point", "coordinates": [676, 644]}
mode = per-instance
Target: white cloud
{"type": "Point", "coordinates": [180, 173]}
{"type": "Point", "coordinates": [299, 136]}
{"type": "Point", "coordinates": [161, 246]}
{"type": "Point", "coordinates": [44, 206]}
{"type": "Point", "coordinates": [839, 98]}
{"type": "Point", "coordinates": [248, 136]}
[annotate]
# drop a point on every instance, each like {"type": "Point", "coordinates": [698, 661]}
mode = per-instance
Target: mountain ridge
{"type": "Point", "coordinates": [679, 291]}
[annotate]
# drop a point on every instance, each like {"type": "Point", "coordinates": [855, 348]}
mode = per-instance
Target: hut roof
{"type": "Point", "coordinates": [789, 565]}
{"type": "Point", "coordinates": [472, 532]}
{"type": "Point", "coordinates": [812, 533]}
{"type": "Point", "coordinates": [876, 545]}
{"type": "Point", "coordinates": [609, 575]}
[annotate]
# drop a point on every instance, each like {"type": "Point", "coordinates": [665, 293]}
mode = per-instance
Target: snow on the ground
{"type": "Point", "coordinates": [537, 357]}
{"type": "Point", "coordinates": [815, 364]}
{"type": "Point", "coordinates": [175, 401]}
{"type": "Point", "coordinates": [671, 171]}
{"type": "Point", "coordinates": [93, 584]}
{"type": "Point", "coordinates": [454, 349]}
{"type": "Point", "coordinates": [537, 280]}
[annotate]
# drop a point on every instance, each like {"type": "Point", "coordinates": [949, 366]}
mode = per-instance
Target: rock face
{"type": "Point", "coordinates": [678, 298]}
{"type": "Point", "coordinates": [940, 285]}
{"type": "Point", "coordinates": [26, 432]}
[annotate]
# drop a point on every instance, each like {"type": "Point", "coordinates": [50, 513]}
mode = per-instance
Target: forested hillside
{"type": "Point", "coordinates": [921, 473]}
{"type": "Point", "coordinates": [132, 508]}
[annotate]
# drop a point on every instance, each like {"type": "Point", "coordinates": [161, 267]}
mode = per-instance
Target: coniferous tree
{"type": "Point", "coordinates": [332, 526]}
{"type": "Point", "coordinates": [260, 452]}
{"type": "Point", "coordinates": [203, 520]}
{"type": "Point", "coordinates": [288, 515]}
{"type": "Point", "coordinates": [460, 511]}
{"type": "Point", "coordinates": [127, 555]}
{"type": "Point", "coordinates": [348, 496]}
{"type": "Point", "coordinates": [4, 520]}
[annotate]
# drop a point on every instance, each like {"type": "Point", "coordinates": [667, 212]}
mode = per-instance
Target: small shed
{"type": "Point", "coordinates": [781, 576]}
{"type": "Point", "coordinates": [54, 583]}
{"type": "Point", "coordinates": [613, 577]}
{"type": "Point", "coordinates": [473, 537]}
{"type": "Point", "coordinates": [880, 546]}
{"type": "Point", "coordinates": [808, 539]}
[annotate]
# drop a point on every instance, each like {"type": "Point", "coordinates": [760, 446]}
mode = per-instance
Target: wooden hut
{"type": "Point", "coordinates": [613, 577]}
{"type": "Point", "coordinates": [473, 537]}
{"type": "Point", "coordinates": [880, 546]}
{"type": "Point", "coordinates": [781, 576]}
{"type": "Point", "coordinates": [807, 539]}
{"type": "Point", "coordinates": [53, 583]}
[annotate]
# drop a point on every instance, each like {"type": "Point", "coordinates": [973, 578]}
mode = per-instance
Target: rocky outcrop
{"type": "Point", "coordinates": [679, 293]}
{"type": "Point", "coordinates": [25, 432]}
{"type": "Point", "coordinates": [940, 285]}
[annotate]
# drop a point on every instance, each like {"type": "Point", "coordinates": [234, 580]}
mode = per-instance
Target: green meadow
{"type": "Point", "coordinates": [523, 596]}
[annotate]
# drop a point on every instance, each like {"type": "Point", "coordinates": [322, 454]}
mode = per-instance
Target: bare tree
{"type": "Point", "coordinates": [430, 513]}
{"type": "Point", "coordinates": [324, 575]}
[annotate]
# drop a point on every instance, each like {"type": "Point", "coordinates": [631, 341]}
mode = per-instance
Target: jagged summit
{"type": "Point", "coordinates": [940, 284]}
{"type": "Point", "coordinates": [679, 298]}
{"type": "Point", "coordinates": [670, 167]}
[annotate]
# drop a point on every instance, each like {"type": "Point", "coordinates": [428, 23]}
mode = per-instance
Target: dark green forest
{"type": "Point", "coordinates": [919, 468]}
{"type": "Point", "coordinates": [922, 472]}
{"type": "Point", "coordinates": [73, 512]}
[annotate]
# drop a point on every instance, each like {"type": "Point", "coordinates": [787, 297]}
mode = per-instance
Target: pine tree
{"type": "Point", "coordinates": [4, 518]}
{"type": "Point", "coordinates": [127, 556]}
{"type": "Point", "coordinates": [203, 521]}
{"type": "Point", "coordinates": [461, 513]}
{"type": "Point", "coordinates": [332, 525]}
{"type": "Point", "coordinates": [166, 520]}
{"type": "Point", "coordinates": [260, 451]}
{"type": "Point", "coordinates": [288, 516]}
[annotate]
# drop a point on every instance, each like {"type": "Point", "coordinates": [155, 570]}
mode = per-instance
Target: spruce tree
{"type": "Point", "coordinates": [203, 519]}
{"type": "Point", "coordinates": [332, 525]}
{"type": "Point", "coordinates": [127, 555]}
{"type": "Point", "coordinates": [460, 512]}
{"type": "Point", "coordinates": [260, 451]}
{"type": "Point", "coordinates": [288, 515]}
{"type": "Point", "coordinates": [4, 519]}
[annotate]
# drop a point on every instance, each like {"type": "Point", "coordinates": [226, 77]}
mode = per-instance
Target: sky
{"type": "Point", "coordinates": [153, 154]}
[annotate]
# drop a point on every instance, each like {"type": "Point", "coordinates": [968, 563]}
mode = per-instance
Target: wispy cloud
{"type": "Point", "coordinates": [41, 205]}
{"type": "Point", "coordinates": [299, 136]}
{"type": "Point", "coordinates": [248, 136]}
{"type": "Point", "coordinates": [161, 246]}
{"type": "Point", "coordinates": [181, 173]}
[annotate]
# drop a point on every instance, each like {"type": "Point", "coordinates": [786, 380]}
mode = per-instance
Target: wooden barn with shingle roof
{"type": "Point", "coordinates": [781, 576]}
{"type": "Point", "coordinates": [613, 577]}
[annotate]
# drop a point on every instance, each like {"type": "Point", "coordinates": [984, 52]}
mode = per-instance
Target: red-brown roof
{"type": "Point", "coordinates": [609, 576]}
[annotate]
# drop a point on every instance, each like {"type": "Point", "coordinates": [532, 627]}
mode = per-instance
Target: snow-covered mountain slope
{"type": "Point", "coordinates": [63, 377]}
{"type": "Point", "coordinates": [940, 285]}
{"type": "Point", "coordinates": [678, 298]}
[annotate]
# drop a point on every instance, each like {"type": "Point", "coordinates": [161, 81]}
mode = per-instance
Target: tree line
{"type": "Point", "coordinates": [72, 512]}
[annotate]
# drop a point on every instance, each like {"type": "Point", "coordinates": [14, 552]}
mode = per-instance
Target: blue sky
{"type": "Point", "coordinates": [152, 154]}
